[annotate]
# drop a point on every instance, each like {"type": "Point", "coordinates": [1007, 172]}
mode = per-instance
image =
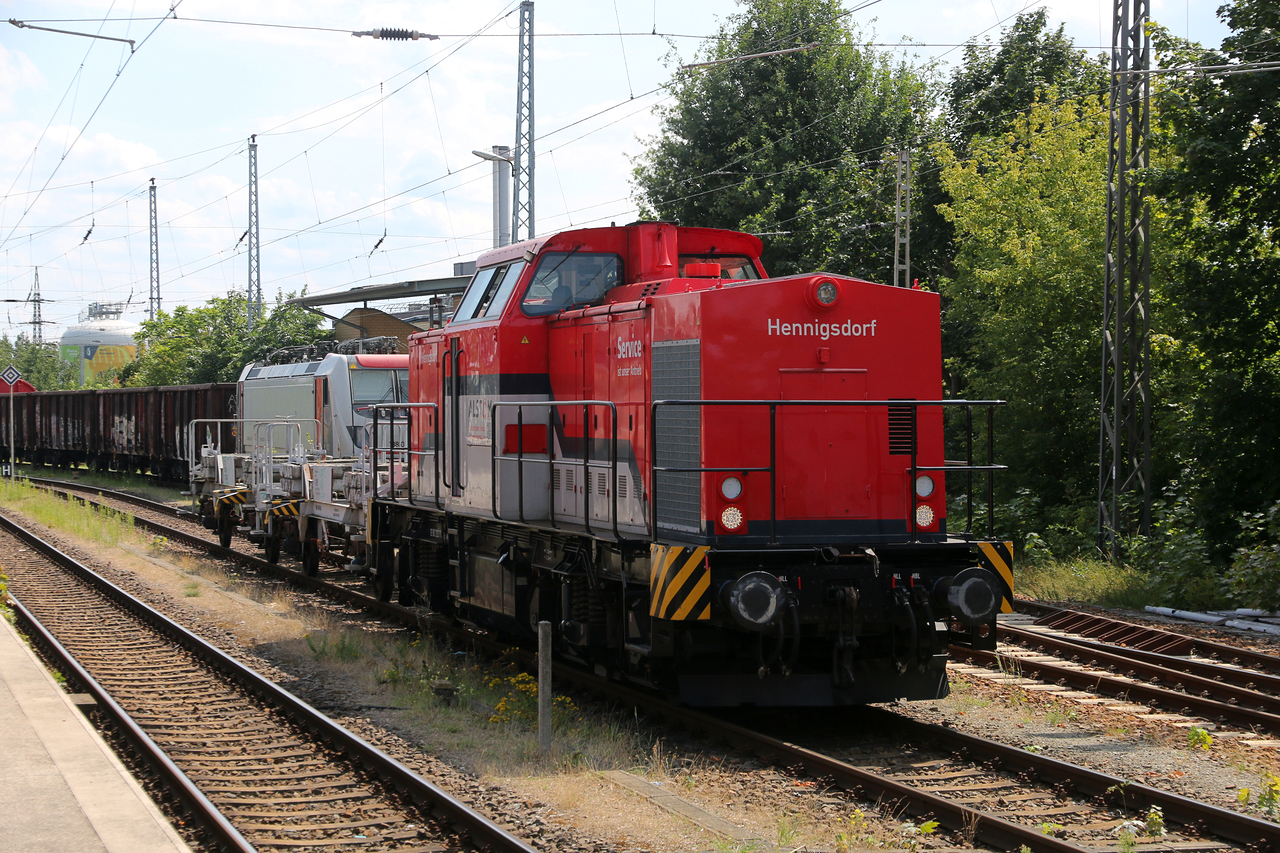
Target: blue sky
{"type": "Point", "coordinates": [339, 163]}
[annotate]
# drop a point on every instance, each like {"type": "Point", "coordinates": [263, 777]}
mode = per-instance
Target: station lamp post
{"type": "Point", "coordinates": [502, 222]}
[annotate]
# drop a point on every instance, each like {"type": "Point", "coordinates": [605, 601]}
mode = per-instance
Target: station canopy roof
{"type": "Point", "coordinates": [378, 292]}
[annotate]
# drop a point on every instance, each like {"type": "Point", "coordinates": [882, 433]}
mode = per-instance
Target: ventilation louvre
{"type": "Point", "coordinates": [900, 431]}
{"type": "Point", "coordinates": [677, 375]}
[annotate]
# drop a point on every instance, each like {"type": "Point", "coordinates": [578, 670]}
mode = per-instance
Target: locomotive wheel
{"type": "Point", "coordinates": [272, 547]}
{"type": "Point", "coordinates": [311, 551]}
{"type": "Point", "coordinates": [226, 527]}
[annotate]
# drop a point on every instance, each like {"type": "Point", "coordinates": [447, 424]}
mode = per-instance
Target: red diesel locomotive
{"type": "Point", "coordinates": [727, 486]}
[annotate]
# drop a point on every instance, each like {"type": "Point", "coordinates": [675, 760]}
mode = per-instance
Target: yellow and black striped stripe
{"type": "Point", "coordinates": [998, 558]}
{"type": "Point", "coordinates": [283, 508]}
{"type": "Point", "coordinates": [679, 583]}
{"type": "Point", "coordinates": [238, 495]}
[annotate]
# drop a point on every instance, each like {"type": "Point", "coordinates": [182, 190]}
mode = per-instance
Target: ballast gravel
{"type": "Point", "coordinates": [738, 788]}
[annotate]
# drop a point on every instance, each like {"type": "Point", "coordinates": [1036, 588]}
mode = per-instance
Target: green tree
{"type": "Point", "coordinates": [990, 90]}
{"type": "Point", "coordinates": [781, 144]}
{"type": "Point", "coordinates": [1028, 207]}
{"type": "Point", "coordinates": [210, 343]}
{"type": "Point", "coordinates": [39, 363]}
{"type": "Point", "coordinates": [994, 86]}
{"type": "Point", "coordinates": [1221, 188]}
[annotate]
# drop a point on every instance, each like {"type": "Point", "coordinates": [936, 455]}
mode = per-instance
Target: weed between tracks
{"type": "Point", "coordinates": [107, 527]}
{"type": "Point", "coordinates": [147, 487]}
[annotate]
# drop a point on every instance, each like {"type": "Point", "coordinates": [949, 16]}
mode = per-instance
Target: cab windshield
{"type": "Point", "coordinates": [570, 280]}
{"type": "Point", "coordinates": [369, 386]}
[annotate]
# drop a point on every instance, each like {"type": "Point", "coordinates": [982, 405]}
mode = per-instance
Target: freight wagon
{"type": "Point", "coordinates": [114, 429]}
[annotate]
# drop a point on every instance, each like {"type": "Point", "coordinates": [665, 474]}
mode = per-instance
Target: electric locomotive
{"type": "Point", "coordinates": [727, 486]}
{"type": "Point", "coordinates": [297, 472]}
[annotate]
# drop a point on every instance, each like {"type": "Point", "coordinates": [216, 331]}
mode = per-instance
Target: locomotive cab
{"type": "Point", "coordinates": [724, 484]}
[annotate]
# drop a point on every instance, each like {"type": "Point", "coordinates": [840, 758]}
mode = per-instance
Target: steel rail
{"type": "Point", "coordinates": [1216, 677]}
{"type": "Point", "coordinates": [105, 492]}
{"type": "Point", "coordinates": [1111, 685]}
{"type": "Point", "coordinates": [196, 804]}
{"type": "Point", "coordinates": [423, 793]}
{"type": "Point", "coordinates": [996, 831]}
{"type": "Point", "coordinates": [1130, 795]}
{"type": "Point", "coordinates": [1224, 823]}
{"type": "Point", "coordinates": [1143, 637]}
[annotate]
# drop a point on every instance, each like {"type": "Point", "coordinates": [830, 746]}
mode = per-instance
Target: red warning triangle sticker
{"type": "Point", "coordinates": [525, 339]}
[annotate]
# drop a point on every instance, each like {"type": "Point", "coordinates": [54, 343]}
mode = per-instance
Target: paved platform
{"type": "Point", "coordinates": [61, 788]}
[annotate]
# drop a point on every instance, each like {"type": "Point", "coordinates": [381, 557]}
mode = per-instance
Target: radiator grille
{"type": "Point", "coordinates": [622, 486]}
{"type": "Point", "coordinates": [677, 375]}
{"type": "Point", "coordinates": [555, 479]}
{"type": "Point", "coordinates": [602, 483]}
{"type": "Point", "coordinates": [900, 430]}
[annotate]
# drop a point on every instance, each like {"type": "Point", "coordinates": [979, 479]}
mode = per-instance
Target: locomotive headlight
{"type": "Point", "coordinates": [924, 515]}
{"type": "Point", "coordinates": [731, 488]}
{"type": "Point", "coordinates": [821, 294]}
{"type": "Point", "coordinates": [924, 485]}
{"type": "Point", "coordinates": [731, 518]}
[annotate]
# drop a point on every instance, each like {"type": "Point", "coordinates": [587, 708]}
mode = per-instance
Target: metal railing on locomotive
{"type": "Point", "coordinates": [584, 463]}
{"type": "Point", "coordinates": [407, 453]}
{"type": "Point", "coordinates": [950, 466]}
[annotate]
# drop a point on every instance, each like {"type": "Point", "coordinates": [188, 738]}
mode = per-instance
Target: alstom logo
{"type": "Point", "coordinates": [825, 331]}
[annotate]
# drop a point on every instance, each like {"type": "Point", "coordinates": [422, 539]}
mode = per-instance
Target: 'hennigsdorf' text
{"type": "Point", "coordinates": [825, 331]}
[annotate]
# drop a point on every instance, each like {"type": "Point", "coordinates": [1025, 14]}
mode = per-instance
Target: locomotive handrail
{"type": "Point", "coordinates": [968, 468]}
{"type": "Point", "coordinates": [585, 464]}
{"type": "Point", "coordinates": [449, 358]}
{"type": "Point", "coordinates": [409, 452]}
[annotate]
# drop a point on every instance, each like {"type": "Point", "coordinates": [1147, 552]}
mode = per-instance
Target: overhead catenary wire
{"type": "Point", "coordinates": [88, 121]}
{"type": "Point", "coordinates": [454, 236]}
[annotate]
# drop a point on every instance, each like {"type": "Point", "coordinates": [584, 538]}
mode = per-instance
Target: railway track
{"type": "Point", "coordinates": [1138, 665]}
{"type": "Point", "coordinates": [982, 792]}
{"type": "Point", "coordinates": [258, 768]}
{"type": "Point", "coordinates": [346, 587]}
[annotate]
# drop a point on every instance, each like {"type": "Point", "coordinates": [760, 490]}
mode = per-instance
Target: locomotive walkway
{"type": "Point", "coordinates": [61, 787]}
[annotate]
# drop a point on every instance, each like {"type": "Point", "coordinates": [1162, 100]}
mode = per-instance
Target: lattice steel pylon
{"type": "Point", "coordinates": [254, 298]}
{"type": "Point", "coordinates": [1124, 459]}
{"type": "Point", "coordinates": [153, 306]}
{"type": "Point", "coordinates": [522, 165]}
{"type": "Point", "coordinates": [902, 222]}
{"type": "Point", "coordinates": [37, 318]}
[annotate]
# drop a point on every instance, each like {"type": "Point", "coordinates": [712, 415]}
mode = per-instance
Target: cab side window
{"type": "Point", "coordinates": [488, 292]}
{"type": "Point", "coordinates": [574, 279]}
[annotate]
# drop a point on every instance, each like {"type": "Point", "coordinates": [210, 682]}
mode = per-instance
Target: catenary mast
{"type": "Point", "coordinates": [1124, 463]}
